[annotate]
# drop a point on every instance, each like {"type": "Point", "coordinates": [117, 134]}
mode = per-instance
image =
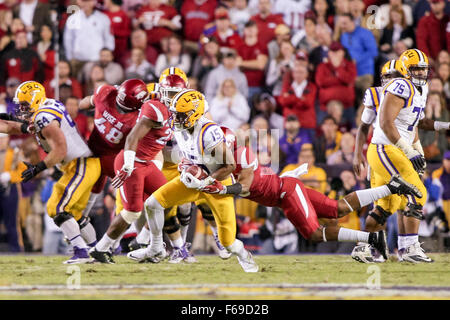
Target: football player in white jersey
{"type": "Point", "coordinates": [395, 148]}
{"type": "Point", "coordinates": [392, 69]}
{"type": "Point", "coordinates": [57, 134]}
{"type": "Point", "coordinates": [202, 143]}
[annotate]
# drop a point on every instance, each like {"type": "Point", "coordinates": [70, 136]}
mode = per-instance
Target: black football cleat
{"type": "Point", "coordinates": [101, 256]}
{"type": "Point", "coordinates": [398, 185]}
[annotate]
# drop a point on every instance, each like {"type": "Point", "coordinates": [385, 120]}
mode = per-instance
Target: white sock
{"type": "Point", "coordinates": [144, 236]}
{"type": "Point", "coordinates": [89, 235]}
{"type": "Point", "coordinates": [183, 231]}
{"type": "Point", "coordinates": [238, 249]}
{"type": "Point", "coordinates": [349, 235]}
{"type": "Point", "coordinates": [105, 243]}
{"type": "Point", "coordinates": [92, 199]}
{"type": "Point", "coordinates": [368, 196]}
{"type": "Point", "coordinates": [177, 243]}
{"type": "Point", "coordinates": [410, 239]}
{"type": "Point", "coordinates": [71, 230]}
{"type": "Point", "coordinates": [155, 219]}
{"type": "Point", "coordinates": [401, 241]}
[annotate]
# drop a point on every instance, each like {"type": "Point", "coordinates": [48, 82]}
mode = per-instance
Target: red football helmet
{"type": "Point", "coordinates": [131, 94]}
{"type": "Point", "coordinates": [170, 86]}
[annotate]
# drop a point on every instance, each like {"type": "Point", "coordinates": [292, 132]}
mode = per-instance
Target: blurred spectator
{"type": "Point", "coordinates": [34, 14]}
{"type": "Point", "coordinates": [306, 39]}
{"type": "Point", "coordinates": [65, 78]}
{"type": "Point", "coordinates": [79, 118]}
{"type": "Point", "coordinates": [120, 26]}
{"type": "Point", "coordinates": [266, 21]}
{"type": "Point", "coordinates": [207, 59]}
{"type": "Point", "coordinates": [114, 73]}
{"type": "Point", "coordinates": [320, 53]}
{"type": "Point", "coordinates": [316, 178]}
{"type": "Point", "coordinates": [431, 33]}
{"type": "Point", "coordinates": [262, 143]}
{"type": "Point", "coordinates": [87, 32]}
{"type": "Point", "coordinates": [443, 72]}
{"type": "Point", "coordinates": [434, 143]}
{"type": "Point", "coordinates": [362, 47]}
{"type": "Point", "coordinates": [383, 15]}
{"type": "Point", "coordinates": [196, 14]}
{"type": "Point", "coordinates": [6, 98]}
{"type": "Point", "coordinates": [21, 62]}
{"type": "Point", "coordinates": [335, 80]}
{"type": "Point", "coordinates": [335, 109]}
{"type": "Point", "coordinates": [139, 40]}
{"type": "Point", "coordinates": [46, 52]}
{"type": "Point", "coordinates": [240, 15]}
{"type": "Point", "coordinates": [443, 176]}
{"type": "Point", "coordinates": [159, 20]}
{"type": "Point", "coordinates": [396, 30]}
{"type": "Point", "coordinates": [96, 79]}
{"type": "Point", "coordinates": [341, 7]}
{"type": "Point", "coordinates": [294, 140]}
{"type": "Point", "coordinates": [293, 12]}
{"type": "Point", "coordinates": [324, 14]}
{"type": "Point", "coordinates": [282, 33]}
{"type": "Point", "coordinates": [223, 31]}
{"type": "Point", "coordinates": [346, 151]}
{"type": "Point", "coordinates": [10, 177]}
{"type": "Point", "coordinates": [265, 105]}
{"type": "Point", "coordinates": [174, 57]}
{"type": "Point", "coordinates": [363, 19]}
{"type": "Point", "coordinates": [329, 142]}
{"type": "Point", "coordinates": [229, 107]}
{"type": "Point", "coordinates": [252, 59]}
{"type": "Point", "coordinates": [279, 66]}
{"type": "Point", "coordinates": [298, 97]}
{"type": "Point", "coordinates": [227, 69]}
{"type": "Point", "coordinates": [139, 67]}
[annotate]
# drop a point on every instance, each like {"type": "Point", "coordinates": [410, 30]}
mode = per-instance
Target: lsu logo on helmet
{"type": "Point", "coordinates": [187, 107]}
{"type": "Point", "coordinates": [416, 65]}
{"type": "Point", "coordinates": [29, 95]}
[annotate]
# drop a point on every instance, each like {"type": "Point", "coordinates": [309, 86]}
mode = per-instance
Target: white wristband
{"type": "Point", "coordinates": [440, 125]}
{"type": "Point", "coordinates": [403, 145]}
{"type": "Point", "coordinates": [418, 146]}
{"type": "Point", "coordinates": [128, 158]}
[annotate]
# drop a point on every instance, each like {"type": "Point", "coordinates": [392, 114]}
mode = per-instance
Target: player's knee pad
{"type": "Point", "coordinates": [62, 217]}
{"type": "Point", "coordinates": [83, 222]}
{"type": "Point", "coordinates": [153, 204]}
{"type": "Point", "coordinates": [414, 211]}
{"type": "Point", "coordinates": [129, 216]}
{"type": "Point", "coordinates": [184, 214]}
{"type": "Point", "coordinates": [380, 219]}
{"type": "Point", "coordinates": [206, 213]}
{"type": "Point", "coordinates": [171, 225]}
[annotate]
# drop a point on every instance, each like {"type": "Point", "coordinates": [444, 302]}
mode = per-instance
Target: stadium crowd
{"type": "Point", "coordinates": [290, 73]}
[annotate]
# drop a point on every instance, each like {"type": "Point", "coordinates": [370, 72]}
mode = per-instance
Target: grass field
{"type": "Point", "coordinates": [280, 277]}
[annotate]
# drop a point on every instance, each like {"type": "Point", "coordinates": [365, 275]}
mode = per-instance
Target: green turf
{"type": "Point", "coordinates": [299, 269]}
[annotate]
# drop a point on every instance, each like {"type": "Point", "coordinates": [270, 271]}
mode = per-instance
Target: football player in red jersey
{"type": "Point", "coordinates": [303, 206]}
{"type": "Point", "coordinates": [137, 175]}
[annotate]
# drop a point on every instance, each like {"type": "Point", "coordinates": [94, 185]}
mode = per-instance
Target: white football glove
{"type": "Point", "coordinates": [192, 182]}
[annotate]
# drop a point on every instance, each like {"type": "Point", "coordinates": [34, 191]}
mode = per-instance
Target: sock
{"type": "Point", "coordinates": [89, 235]}
{"type": "Point", "coordinates": [183, 231]}
{"type": "Point", "coordinates": [368, 196]}
{"type": "Point", "coordinates": [238, 249]}
{"type": "Point", "coordinates": [71, 230]}
{"type": "Point", "coordinates": [349, 235]}
{"type": "Point", "coordinates": [155, 219]}
{"type": "Point", "coordinates": [105, 243]}
{"type": "Point", "coordinates": [92, 199]}
{"type": "Point", "coordinates": [144, 236]}
{"type": "Point", "coordinates": [401, 241]}
{"type": "Point", "coordinates": [177, 243]}
{"type": "Point", "coordinates": [410, 239]}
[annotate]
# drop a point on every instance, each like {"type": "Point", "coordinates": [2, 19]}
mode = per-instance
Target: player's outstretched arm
{"type": "Point", "coordinates": [361, 137]}
{"type": "Point", "coordinates": [223, 154]}
{"type": "Point", "coordinates": [12, 127]}
{"type": "Point", "coordinates": [86, 103]}
{"type": "Point", "coordinates": [431, 125]}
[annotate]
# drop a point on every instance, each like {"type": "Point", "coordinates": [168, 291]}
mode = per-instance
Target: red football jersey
{"type": "Point", "coordinates": [111, 126]}
{"type": "Point", "coordinates": [156, 138]}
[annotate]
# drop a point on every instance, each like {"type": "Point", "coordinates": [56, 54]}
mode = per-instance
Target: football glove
{"type": "Point", "coordinates": [192, 182]}
{"type": "Point", "coordinates": [184, 163]}
{"type": "Point", "coordinates": [122, 175]}
{"type": "Point", "coordinates": [32, 170]}
{"type": "Point", "coordinates": [215, 188]}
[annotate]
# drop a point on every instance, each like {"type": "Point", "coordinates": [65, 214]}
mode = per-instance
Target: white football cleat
{"type": "Point", "coordinates": [415, 254]}
{"type": "Point", "coordinates": [248, 264]}
{"type": "Point", "coordinates": [224, 254]}
{"type": "Point", "coordinates": [363, 253]}
{"type": "Point", "coordinates": [147, 255]}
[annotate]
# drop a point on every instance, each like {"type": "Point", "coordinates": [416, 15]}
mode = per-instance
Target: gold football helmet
{"type": "Point", "coordinates": [153, 90]}
{"type": "Point", "coordinates": [187, 107]}
{"type": "Point", "coordinates": [173, 71]}
{"type": "Point", "coordinates": [30, 95]}
{"type": "Point", "coordinates": [416, 65]}
{"type": "Point", "coordinates": [391, 70]}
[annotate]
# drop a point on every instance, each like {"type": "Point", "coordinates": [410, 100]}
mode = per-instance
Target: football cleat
{"type": "Point", "coordinates": [101, 256]}
{"type": "Point", "coordinates": [248, 264]}
{"type": "Point", "coordinates": [147, 255]}
{"type": "Point", "coordinates": [223, 253]}
{"type": "Point", "coordinates": [378, 241]}
{"type": "Point", "coordinates": [181, 254]}
{"type": "Point", "coordinates": [190, 257]}
{"type": "Point", "coordinates": [400, 254]}
{"type": "Point", "coordinates": [397, 185]}
{"type": "Point", "coordinates": [80, 255]}
{"type": "Point", "coordinates": [134, 245]}
{"type": "Point", "coordinates": [415, 254]}
{"type": "Point", "coordinates": [363, 253]}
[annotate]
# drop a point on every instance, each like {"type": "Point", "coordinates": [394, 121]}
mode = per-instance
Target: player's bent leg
{"type": "Point", "coordinates": [184, 215]}
{"type": "Point", "coordinates": [244, 257]}
{"type": "Point", "coordinates": [87, 231]}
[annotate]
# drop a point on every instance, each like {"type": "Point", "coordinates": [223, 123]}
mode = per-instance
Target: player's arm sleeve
{"type": "Point", "coordinates": [368, 115]}
{"type": "Point", "coordinates": [152, 112]}
{"type": "Point", "coordinates": [210, 137]}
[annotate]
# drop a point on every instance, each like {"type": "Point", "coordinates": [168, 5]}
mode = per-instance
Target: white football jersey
{"type": "Point", "coordinates": [197, 147]}
{"type": "Point", "coordinates": [372, 104]}
{"type": "Point", "coordinates": [52, 110]}
{"type": "Point", "coordinates": [409, 116]}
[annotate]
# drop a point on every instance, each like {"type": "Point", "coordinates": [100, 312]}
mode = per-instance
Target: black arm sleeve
{"type": "Point", "coordinates": [234, 188]}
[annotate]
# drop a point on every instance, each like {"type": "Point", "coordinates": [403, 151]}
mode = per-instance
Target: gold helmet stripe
{"type": "Point", "coordinates": [421, 58]}
{"type": "Point", "coordinates": [392, 65]}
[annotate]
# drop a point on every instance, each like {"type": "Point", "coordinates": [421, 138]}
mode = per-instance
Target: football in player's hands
{"type": "Point", "coordinates": [197, 171]}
